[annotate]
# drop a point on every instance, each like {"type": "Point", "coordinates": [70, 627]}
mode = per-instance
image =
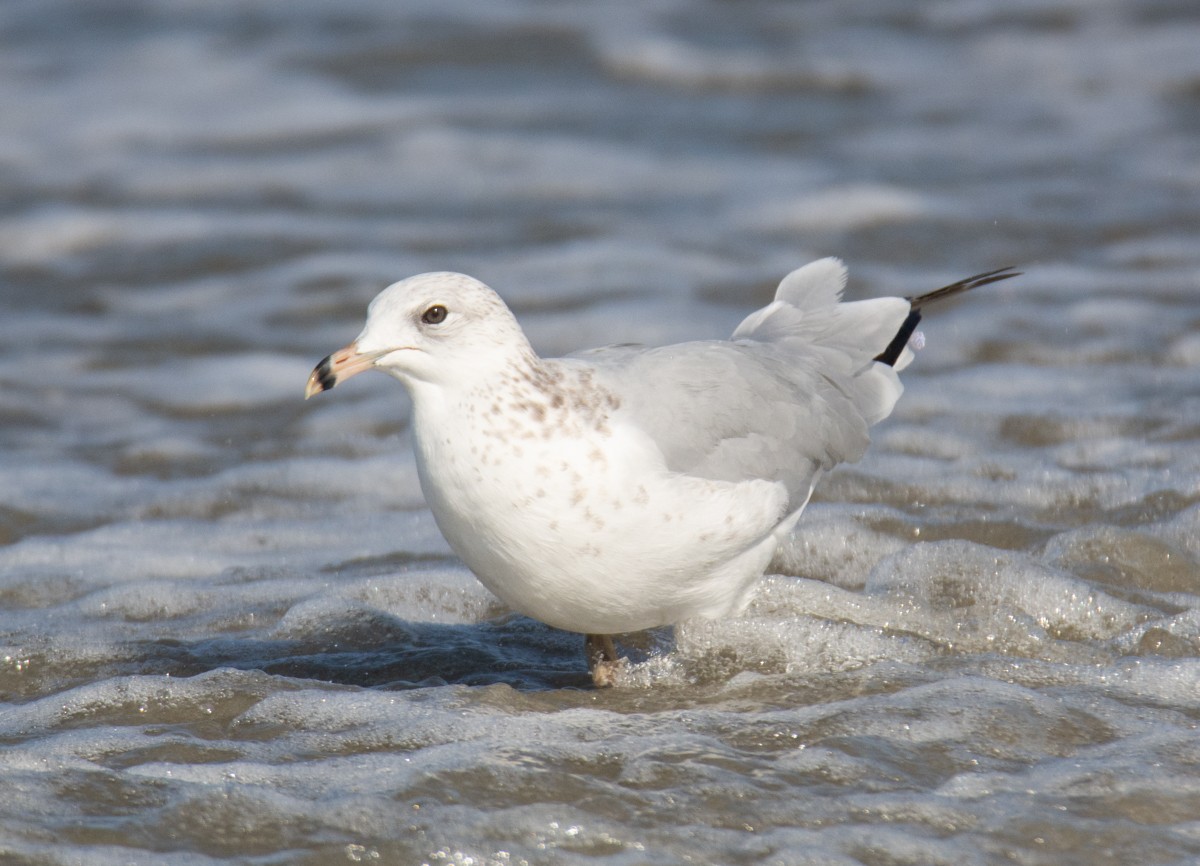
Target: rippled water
{"type": "Point", "coordinates": [231, 632]}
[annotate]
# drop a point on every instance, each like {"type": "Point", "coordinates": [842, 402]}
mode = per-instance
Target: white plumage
{"type": "Point", "coordinates": [626, 488]}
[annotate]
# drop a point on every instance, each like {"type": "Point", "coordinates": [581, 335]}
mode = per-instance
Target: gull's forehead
{"type": "Point", "coordinates": [438, 287]}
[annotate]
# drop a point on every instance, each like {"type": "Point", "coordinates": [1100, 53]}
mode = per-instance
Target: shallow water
{"type": "Point", "coordinates": [230, 631]}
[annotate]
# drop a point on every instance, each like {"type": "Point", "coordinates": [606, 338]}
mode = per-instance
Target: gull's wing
{"type": "Point", "coordinates": [734, 411]}
{"type": "Point", "coordinates": [793, 393]}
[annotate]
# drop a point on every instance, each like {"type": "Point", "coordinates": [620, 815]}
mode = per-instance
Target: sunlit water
{"type": "Point", "coordinates": [230, 630]}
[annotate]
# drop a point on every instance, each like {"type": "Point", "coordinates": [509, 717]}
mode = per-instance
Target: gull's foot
{"type": "Point", "coordinates": [602, 659]}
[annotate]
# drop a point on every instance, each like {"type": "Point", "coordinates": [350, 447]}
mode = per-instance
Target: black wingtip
{"type": "Point", "coordinates": [895, 348]}
{"type": "Point", "coordinates": [891, 354]}
{"type": "Point", "coordinates": [965, 285]}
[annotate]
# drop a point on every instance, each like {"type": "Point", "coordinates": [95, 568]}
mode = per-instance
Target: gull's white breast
{"type": "Point", "coordinates": [569, 514]}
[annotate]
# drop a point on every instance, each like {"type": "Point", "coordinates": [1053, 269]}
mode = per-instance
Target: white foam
{"type": "Point", "coordinates": [228, 381]}
{"type": "Point", "coordinates": [835, 544]}
{"type": "Point", "coordinates": [666, 60]}
{"type": "Point", "coordinates": [840, 208]}
{"type": "Point", "coordinates": [1150, 563]}
{"type": "Point", "coordinates": [972, 598]}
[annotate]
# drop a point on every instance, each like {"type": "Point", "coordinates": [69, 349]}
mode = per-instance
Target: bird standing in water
{"type": "Point", "coordinates": [626, 488]}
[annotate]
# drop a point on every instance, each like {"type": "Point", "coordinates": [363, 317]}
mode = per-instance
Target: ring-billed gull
{"type": "Point", "coordinates": [626, 487]}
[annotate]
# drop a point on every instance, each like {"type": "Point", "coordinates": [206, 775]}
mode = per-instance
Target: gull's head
{"type": "Point", "coordinates": [432, 328]}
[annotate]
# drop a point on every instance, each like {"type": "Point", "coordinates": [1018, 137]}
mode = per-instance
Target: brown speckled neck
{"type": "Point", "coordinates": [536, 398]}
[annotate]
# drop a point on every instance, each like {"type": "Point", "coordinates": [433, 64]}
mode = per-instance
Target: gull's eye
{"type": "Point", "coordinates": [435, 315]}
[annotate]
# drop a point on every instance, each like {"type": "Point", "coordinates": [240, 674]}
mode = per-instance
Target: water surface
{"type": "Point", "coordinates": [229, 629]}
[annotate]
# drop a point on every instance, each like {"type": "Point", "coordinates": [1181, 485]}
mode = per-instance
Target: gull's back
{"type": "Point", "coordinates": [792, 393]}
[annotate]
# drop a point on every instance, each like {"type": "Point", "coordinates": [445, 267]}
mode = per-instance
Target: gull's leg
{"type": "Point", "coordinates": [602, 659]}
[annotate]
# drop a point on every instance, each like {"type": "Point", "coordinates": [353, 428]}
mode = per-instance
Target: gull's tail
{"type": "Point", "coordinates": [855, 347]}
{"type": "Point", "coordinates": [895, 348]}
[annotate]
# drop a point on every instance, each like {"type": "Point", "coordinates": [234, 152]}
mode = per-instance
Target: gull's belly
{"type": "Point", "coordinates": [592, 534]}
{"type": "Point", "coordinates": [552, 532]}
